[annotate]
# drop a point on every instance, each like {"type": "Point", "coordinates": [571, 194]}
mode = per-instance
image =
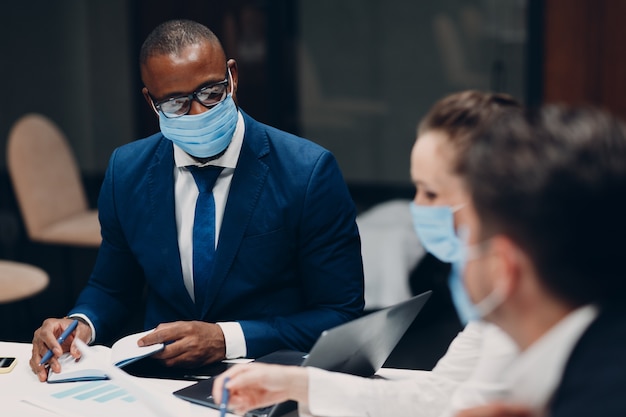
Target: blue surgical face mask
{"type": "Point", "coordinates": [434, 226]}
{"type": "Point", "coordinates": [461, 300]}
{"type": "Point", "coordinates": [465, 307]}
{"type": "Point", "coordinates": [206, 134]}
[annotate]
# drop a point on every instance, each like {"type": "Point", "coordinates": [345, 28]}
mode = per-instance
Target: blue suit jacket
{"type": "Point", "coordinates": [288, 261]}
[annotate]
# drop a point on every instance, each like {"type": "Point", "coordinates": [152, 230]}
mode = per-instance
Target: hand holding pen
{"type": "Point", "coordinates": [51, 339]}
{"type": "Point", "coordinates": [68, 331]}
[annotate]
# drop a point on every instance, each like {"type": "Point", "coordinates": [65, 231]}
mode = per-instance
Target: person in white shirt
{"type": "Point", "coordinates": [470, 371]}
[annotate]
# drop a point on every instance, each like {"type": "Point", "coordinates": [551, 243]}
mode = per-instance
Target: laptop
{"type": "Point", "coordinates": [359, 347]}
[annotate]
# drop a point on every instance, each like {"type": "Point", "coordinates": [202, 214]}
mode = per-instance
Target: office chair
{"type": "Point", "coordinates": [47, 185]}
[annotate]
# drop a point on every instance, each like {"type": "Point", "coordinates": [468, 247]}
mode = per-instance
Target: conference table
{"type": "Point", "coordinates": [22, 395]}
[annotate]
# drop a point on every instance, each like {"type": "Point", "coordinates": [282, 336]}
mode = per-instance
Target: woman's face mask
{"type": "Point", "coordinates": [434, 226]}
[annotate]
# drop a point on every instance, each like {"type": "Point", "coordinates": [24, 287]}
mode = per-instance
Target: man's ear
{"type": "Point", "coordinates": [234, 72]}
{"type": "Point", "coordinates": [509, 264]}
{"type": "Point", "coordinates": [146, 96]}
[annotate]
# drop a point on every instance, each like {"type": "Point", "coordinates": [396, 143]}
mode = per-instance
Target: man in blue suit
{"type": "Point", "coordinates": [277, 258]}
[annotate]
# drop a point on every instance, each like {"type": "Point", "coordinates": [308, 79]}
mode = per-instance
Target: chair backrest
{"type": "Point", "coordinates": [44, 173]}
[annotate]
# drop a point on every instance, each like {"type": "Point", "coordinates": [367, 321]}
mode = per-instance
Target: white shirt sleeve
{"type": "Point", "coordinates": [234, 339]}
{"type": "Point", "coordinates": [334, 394]}
{"type": "Point", "coordinates": [91, 326]}
{"type": "Point", "coordinates": [463, 354]}
{"type": "Point", "coordinates": [486, 381]}
{"type": "Point", "coordinates": [467, 375]}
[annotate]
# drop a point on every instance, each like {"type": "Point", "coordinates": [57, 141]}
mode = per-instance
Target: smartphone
{"type": "Point", "coordinates": [7, 364]}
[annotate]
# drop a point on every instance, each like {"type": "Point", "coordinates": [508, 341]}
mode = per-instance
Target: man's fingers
{"type": "Point", "coordinates": [497, 410]}
{"type": "Point", "coordinates": [54, 365]}
{"type": "Point", "coordinates": [162, 334]}
{"type": "Point", "coordinates": [48, 334]}
{"type": "Point", "coordinates": [83, 332]}
{"type": "Point", "coordinates": [42, 374]}
{"type": "Point", "coordinates": [171, 350]}
{"type": "Point", "coordinates": [45, 338]}
{"type": "Point", "coordinates": [40, 370]}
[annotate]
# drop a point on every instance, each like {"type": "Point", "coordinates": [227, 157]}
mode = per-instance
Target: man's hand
{"type": "Point", "coordinates": [497, 410]}
{"type": "Point", "coordinates": [46, 338]}
{"type": "Point", "coordinates": [187, 343]}
{"type": "Point", "coordinates": [258, 385]}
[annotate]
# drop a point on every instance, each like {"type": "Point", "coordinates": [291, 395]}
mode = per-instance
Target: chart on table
{"type": "Point", "coordinates": [107, 398]}
{"type": "Point", "coordinates": [98, 391]}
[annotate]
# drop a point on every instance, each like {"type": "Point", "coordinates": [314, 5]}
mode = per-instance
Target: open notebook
{"type": "Point", "coordinates": [123, 352]}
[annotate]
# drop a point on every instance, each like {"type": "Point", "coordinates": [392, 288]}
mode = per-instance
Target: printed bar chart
{"type": "Point", "coordinates": [99, 391]}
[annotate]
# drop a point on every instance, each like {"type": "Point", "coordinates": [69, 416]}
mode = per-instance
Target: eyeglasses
{"type": "Point", "coordinates": [208, 96]}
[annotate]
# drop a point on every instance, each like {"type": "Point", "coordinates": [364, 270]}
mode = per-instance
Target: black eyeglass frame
{"type": "Point", "coordinates": [189, 97]}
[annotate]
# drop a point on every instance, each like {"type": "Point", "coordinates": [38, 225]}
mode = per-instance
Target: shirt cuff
{"type": "Point", "coordinates": [89, 323]}
{"type": "Point", "coordinates": [234, 339]}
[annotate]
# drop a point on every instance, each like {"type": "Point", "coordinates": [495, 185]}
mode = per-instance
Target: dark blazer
{"type": "Point", "coordinates": [288, 261]}
{"type": "Point", "coordinates": [594, 380]}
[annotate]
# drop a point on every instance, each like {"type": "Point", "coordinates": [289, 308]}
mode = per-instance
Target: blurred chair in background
{"type": "Point", "coordinates": [48, 185]}
{"type": "Point", "coordinates": [54, 208]}
{"type": "Point", "coordinates": [391, 250]}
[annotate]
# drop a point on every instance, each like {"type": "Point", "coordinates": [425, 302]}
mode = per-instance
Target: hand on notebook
{"type": "Point", "coordinates": [46, 338]}
{"type": "Point", "coordinates": [497, 410]}
{"type": "Point", "coordinates": [257, 385]}
{"type": "Point", "coordinates": [187, 343]}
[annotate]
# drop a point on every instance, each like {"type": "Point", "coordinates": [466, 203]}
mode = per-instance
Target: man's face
{"type": "Point", "coordinates": [197, 65]}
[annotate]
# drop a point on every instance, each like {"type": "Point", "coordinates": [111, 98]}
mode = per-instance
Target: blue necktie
{"type": "Point", "coordinates": [203, 231]}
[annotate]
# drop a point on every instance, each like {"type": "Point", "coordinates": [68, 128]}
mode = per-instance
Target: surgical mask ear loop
{"type": "Point", "coordinates": [497, 296]}
{"type": "Point", "coordinates": [232, 84]}
{"type": "Point", "coordinates": [457, 207]}
{"type": "Point", "coordinates": [491, 302]}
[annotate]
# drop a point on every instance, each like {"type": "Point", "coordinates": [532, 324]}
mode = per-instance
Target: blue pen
{"type": "Point", "coordinates": [225, 395]}
{"type": "Point", "coordinates": [61, 339]}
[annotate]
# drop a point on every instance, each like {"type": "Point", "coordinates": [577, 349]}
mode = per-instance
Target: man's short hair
{"type": "Point", "coordinates": [554, 181]}
{"type": "Point", "coordinates": [173, 36]}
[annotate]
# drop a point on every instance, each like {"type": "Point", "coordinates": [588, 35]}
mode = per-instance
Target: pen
{"type": "Point", "coordinates": [225, 395]}
{"type": "Point", "coordinates": [61, 339]}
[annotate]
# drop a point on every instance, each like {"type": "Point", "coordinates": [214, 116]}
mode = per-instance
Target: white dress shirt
{"type": "Point", "coordinates": [185, 196]}
{"type": "Point", "coordinates": [470, 373]}
{"type": "Point", "coordinates": [536, 374]}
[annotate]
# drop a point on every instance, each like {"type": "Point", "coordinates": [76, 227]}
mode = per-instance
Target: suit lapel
{"type": "Point", "coordinates": [245, 189]}
{"type": "Point", "coordinates": [164, 236]}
